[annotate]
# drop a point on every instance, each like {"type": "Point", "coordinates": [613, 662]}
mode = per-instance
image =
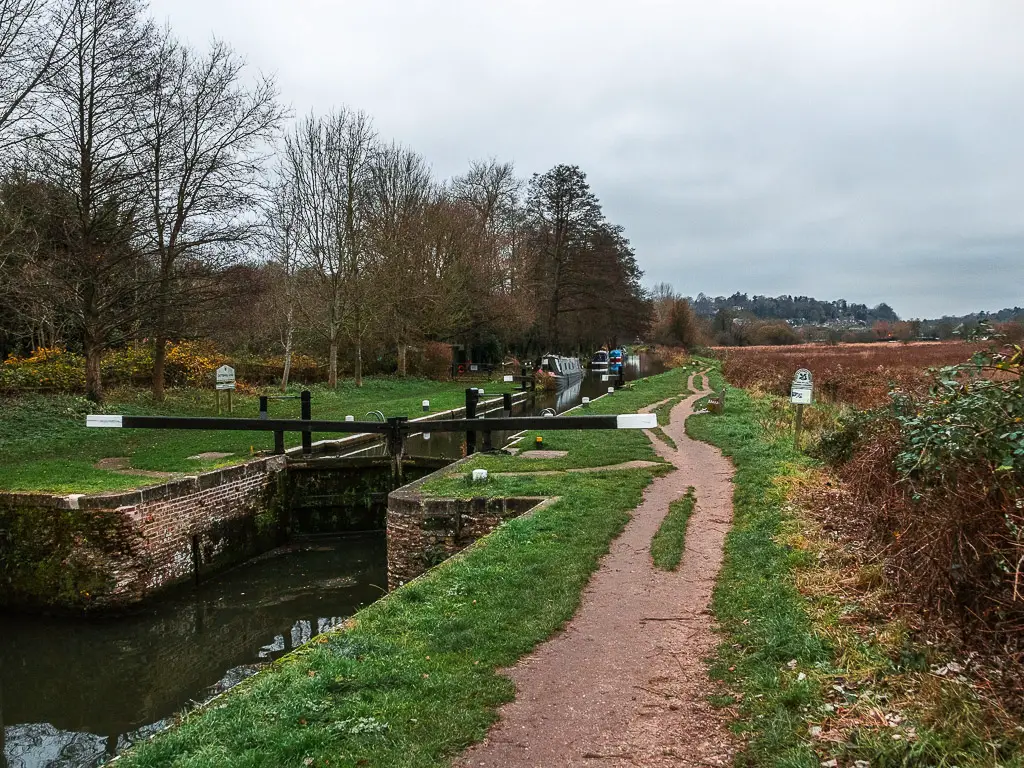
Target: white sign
{"type": "Point", "coordinates": [801, 394]}
{"type": "Point", "coordinates": [803, 376]}
{"type": "Point", "coordinates": [509, 378]}
{"type": "Point", "coordinates": [225, 377]}
{"type": "Point", "coordinates": [474, 367]}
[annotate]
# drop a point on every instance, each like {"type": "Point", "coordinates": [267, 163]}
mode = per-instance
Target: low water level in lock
{"type": "Point", "coordinates": [75, 692]}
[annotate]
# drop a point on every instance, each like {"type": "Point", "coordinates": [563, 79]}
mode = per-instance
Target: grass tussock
{"type": "Point", "coordinates": [669, 542]}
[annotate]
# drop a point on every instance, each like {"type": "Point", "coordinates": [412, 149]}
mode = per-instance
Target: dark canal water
{"type": "Point", "coordinates": [76, 692]}
{"type": "Point", "coordinates": [73, 692]}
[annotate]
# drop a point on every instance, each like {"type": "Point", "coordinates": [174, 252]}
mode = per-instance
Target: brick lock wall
{"type": "Point", "coordinates": [110, 550]}
{"type": "Point", "coordinates": [422, 532]}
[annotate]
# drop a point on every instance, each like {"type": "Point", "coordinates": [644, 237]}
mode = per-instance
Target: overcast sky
{"type": "Point", "coordinates": [866, 149]}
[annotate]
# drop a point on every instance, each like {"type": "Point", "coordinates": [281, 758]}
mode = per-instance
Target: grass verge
{"type": "Point", "coordinates": [817, 671]}
{"type": "Point", "coordinates": [669, 542]}
{"type": "Point", "coordinates": [662, 435]}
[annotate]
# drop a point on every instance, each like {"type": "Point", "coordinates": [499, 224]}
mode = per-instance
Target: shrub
{"type": "Point", "coordinates": [433, 361]}
{"type": "Point", "coordinates": [192, 363]}
{"type": "Point", "coordinates": [48, 368]}
{"type": "Point", "coordinates": [128, 365]}
{"type": "Point", "coordinates": [935, 481]}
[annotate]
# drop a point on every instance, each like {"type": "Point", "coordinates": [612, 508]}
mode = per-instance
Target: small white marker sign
{"type": "Point", "coordinates": [225, 377]}
{"type": "Point", "coordinates": [801, 395]}
{"type": "Point", "coordinates": [801, 391]}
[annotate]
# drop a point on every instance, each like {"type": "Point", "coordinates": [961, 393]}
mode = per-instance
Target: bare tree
{"type": "Point", "coordinates": [282, 230]}
{"type": "Point", "coordinates": [32, 34]}
{"type": "Point", "coordinates": [202, 147]}
{"type": "Point", "coordinates": [400, 192]}
{"type": "Point", "coordinates": [328, 164]}
{"type": "Point", "coordinates": [85, 152]}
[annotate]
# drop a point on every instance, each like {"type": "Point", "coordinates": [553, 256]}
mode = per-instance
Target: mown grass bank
{"type": "Point", "coordinates": [413, 680]}
{"type": "Point", "coordinates": [815, 671]}
{"type": "Point", "coordinates": [45, 445]}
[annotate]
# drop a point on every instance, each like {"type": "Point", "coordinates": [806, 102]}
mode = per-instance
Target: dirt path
{"type": "Point", "coordinates": [625, 684]}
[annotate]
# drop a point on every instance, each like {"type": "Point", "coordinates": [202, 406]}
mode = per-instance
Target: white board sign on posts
{"type": "Point", "coordinates": [225, 377]}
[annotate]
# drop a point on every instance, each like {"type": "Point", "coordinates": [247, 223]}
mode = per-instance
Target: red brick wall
{"type": "Point", "coordinates": [114, 549]}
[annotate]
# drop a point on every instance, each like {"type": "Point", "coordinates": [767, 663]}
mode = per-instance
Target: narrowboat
{"type": "Point", "coordinates": [565, 369]}
{"type": "Point", "coordinates": [599, 362]}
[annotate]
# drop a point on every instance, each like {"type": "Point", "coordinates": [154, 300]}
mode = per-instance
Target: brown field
{"type": "Point", "coordinates": [858, 374]}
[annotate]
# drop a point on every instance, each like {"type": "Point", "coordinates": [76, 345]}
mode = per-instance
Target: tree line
{"type": "Point", "coordinates": [153, 191]}
{"type": "Point", "coordinates": [803, 309]}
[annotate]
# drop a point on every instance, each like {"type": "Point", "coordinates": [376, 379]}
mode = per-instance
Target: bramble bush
{"type": "Point", "coordinates": [935, 482]}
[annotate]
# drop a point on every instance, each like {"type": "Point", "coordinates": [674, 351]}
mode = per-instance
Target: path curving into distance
{"type": "Point", "coordinates": [625, 684]}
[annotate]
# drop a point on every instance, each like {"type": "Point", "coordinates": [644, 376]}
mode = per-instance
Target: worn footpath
{"type": "Point", "coordinates": [625, 684]}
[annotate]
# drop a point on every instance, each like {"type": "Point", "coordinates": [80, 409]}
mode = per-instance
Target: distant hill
{"type": "Point", "coordinates": [1002, 316]}
{"type": "Point", "coordinates": [797, 310]}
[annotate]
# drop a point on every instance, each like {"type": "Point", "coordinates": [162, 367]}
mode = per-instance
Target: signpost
{"type": "Point", "coordinates": [225, 382]}
{"type": "Point", "coordinates": [801, 393]}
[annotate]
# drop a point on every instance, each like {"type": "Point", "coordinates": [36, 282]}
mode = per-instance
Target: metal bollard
{"type": "Point", "coordinates": [307, 415]}
{"type": "Point", "coordinates": [472, 398]}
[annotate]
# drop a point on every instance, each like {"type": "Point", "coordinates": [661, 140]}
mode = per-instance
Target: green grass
{"type": "Point", "coordinates": [664, 411]}
{"type": "Point", "coordinates": [45, 445]}
{"type": "Point", "coordinates": [755, 600]}
{"type": "Point", "coordinates": [781, 665]}
{"type": "Point", "coordinates": [662, 435]}
{"type": "Point", "coordinates": [670, 540]}
{"type": "Point", "coordinates": [415, 679]}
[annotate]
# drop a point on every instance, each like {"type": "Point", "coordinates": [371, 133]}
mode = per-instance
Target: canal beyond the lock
{"type": "Point", "coordinates": [75, 692]}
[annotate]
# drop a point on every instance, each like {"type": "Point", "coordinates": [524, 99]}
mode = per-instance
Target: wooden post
{"type": "Point", "coordinates": [799, 425]}
{"type": "Point", "coordinates": [229, 399]}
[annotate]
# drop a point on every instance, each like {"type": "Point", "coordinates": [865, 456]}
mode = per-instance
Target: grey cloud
{"type": "Point", "coordinates": [869, 150]}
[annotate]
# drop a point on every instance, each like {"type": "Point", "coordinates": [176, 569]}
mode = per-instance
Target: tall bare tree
{"type": "Point", "coordinates": [91, 105]}
{"type": "Point", "coordinates": [203, 145]}
{"type": "Point", "coordinates": [401, 189]}
{"type": "Point", "coordinates": [328, 161]}
{"type": "Point", "coordinates": [282, 234]}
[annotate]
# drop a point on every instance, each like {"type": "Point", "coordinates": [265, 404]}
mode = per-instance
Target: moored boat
{"type": "Point", "coordinates": [615, 359]}
{"type": "Point", "coordinates": [566, 370]}
{"type": "Point", "coordinates": [599, 362]}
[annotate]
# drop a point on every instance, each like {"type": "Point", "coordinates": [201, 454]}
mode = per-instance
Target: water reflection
{"type": "Point", "coordinates": [76, 692]}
